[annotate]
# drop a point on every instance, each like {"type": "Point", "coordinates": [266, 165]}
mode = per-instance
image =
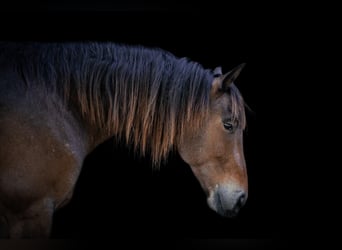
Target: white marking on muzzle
{"type": "Point", "coordinates": [229, 193]}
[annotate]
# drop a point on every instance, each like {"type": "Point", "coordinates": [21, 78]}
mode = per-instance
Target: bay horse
{"type": "Point", "coordinates": [58, 101]}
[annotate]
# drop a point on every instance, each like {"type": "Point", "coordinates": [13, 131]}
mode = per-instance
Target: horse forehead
{"type": "Point", "coordinates": [221, 103]}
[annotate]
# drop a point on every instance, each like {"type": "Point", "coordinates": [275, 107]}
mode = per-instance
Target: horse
{"type": "Point", "coordinates": [60, 100]}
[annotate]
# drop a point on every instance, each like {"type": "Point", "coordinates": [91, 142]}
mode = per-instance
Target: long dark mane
{"type": "Point", "coordinates": [146, 96]}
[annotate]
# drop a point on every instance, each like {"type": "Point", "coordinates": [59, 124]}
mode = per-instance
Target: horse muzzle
{"type": "Point", "coordinates": [227, 200]}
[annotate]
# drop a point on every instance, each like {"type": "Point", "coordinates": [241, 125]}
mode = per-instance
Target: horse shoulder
{"type": "Point", "coordinates": [41, 152]}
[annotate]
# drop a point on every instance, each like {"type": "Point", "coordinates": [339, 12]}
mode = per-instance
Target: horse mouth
{"type": "Point", "coordinates": [222, 211]}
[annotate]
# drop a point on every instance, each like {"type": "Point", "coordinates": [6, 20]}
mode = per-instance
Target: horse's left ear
{"type": "Point", "coordinates": [217, 72]}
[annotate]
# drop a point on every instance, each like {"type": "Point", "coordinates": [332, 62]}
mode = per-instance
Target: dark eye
{"type": "Point", "coordinates": [229, 126]}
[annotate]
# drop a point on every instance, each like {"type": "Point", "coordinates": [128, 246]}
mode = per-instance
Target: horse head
{"type": "Point", "coordinates": [215, 150]}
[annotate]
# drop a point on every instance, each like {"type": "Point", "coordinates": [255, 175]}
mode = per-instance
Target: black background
{"type": "Point", "coordinates": [118, 196]}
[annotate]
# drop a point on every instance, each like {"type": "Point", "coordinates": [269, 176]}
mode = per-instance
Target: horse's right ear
{"type": "Point", "coordinates": [230, 77]}
{"type": "Point", "coordinates": [221, 82]}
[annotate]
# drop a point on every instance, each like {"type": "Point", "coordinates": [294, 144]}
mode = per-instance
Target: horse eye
{"type": "Point", "coordinates": [229, 126]}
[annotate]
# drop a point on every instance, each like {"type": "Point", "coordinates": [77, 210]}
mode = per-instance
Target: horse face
{"type": "Point", "coordinates": [215, 151]}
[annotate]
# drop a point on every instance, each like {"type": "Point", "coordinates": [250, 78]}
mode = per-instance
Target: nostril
{"type": "Point", "coordinates": [242, 200]}
{"type": "Point", "coordinates": [228, 203]}
{"type": "Point", "coordinates": [239, 203]}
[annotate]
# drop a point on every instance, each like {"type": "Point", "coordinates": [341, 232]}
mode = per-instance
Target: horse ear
{"type": "Point", "coordinates": [221, 82]}
{"type": "Point", "coordinates": [228, 78]}
{"type": "Point", "coordinates": [217, 71]}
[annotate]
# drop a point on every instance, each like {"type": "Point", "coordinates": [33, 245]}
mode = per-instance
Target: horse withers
{"type": "Point", "coordinates": [58, 101]}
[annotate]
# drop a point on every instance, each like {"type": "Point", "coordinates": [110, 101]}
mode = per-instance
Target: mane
{"type": "Point", "coordinates": [237, 106]}
{"type": "Point", "coordinates": [147, 97]}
